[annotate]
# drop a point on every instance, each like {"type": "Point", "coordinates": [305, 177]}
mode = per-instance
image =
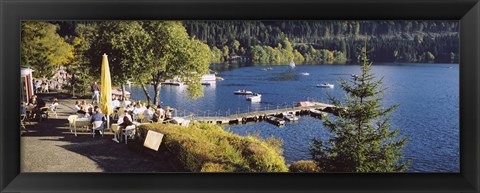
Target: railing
{"type": "Point", "coordinates": [237, 112]}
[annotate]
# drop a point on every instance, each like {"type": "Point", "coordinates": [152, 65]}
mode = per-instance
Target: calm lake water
{"type": "Point", "coordinates": [428, 95]}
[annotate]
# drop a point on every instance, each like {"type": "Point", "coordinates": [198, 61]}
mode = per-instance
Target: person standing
{"type": "Point", "coordinates": [95, 93]}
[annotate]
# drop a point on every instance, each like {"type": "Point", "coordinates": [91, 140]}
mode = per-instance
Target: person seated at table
{"type": "Point", "coordinates": [159, 115]}
{"type": "Point", "coordinates": [122, 116]}
{"type": "Point", "coordinates": [126, 102]}
{"type": "Point", "coordinates": [78, 107]}
{"type": "Point", "coordinates": [33, 100]}
{"type": "Point", "coordinates": [168, 113]}
{"type": "Point", "coordinates": [89, 113]}
{"type": "Point", "coordinates": [148, 112]}
{"type": "Point", "coordinates": [98, 116]}
{"type": "Point", "coordinates": [115, 103]}
{"type": "Point", "coordinates": [54, 104]}
{"type": "Point", "coordinates": [137, 109]}
{"type": "Point", "coordinates": [129, 108]}
{"type": "Point", "coordinates": [125, 123]}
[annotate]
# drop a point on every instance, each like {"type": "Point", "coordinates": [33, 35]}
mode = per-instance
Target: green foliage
{"type": "Point", "coordinates": [363, 140]}
{"type": "Point", "coordinates": [83, 75]}
{"type": "Point", "coordinates": [42, 48]}
{"type": "Point", "coordinates": [303, 166]}
{"type": "Point", "coordinates": [175, 55]}
{"type": "Point", "coordinates": [409, 38]}
{"type": "Point", "coordinates": [208, 148]}
{"type": "Point", "coordinates": [126, 44]}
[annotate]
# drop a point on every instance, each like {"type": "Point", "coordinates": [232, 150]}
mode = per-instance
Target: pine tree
{"type": "Point", "coordinates": [362, 139]}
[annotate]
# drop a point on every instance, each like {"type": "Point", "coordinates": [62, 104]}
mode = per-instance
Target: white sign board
{"type": "Point", "coordinates": [153, 140]}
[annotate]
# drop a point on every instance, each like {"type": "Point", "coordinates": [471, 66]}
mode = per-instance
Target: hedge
{"type": "Point", "coordinates": [209, 148]}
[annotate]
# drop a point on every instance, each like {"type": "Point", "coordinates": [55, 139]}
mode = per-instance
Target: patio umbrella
{"type": "Point", "coordinates": [106, 90]}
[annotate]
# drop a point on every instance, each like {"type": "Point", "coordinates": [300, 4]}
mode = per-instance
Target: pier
{"type": "Point", "coordinates": [255, 116]}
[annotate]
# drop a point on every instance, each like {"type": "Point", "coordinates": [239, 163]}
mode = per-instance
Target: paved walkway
{"type": "Point", "coordinates": [50, 147]}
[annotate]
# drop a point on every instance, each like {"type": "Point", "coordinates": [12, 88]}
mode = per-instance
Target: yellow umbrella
{"type": "Point", "coordinates": [106, 89]}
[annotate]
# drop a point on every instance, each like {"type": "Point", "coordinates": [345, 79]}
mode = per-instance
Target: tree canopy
{"type": "Point", "coordinates": [42, 48]}
{"type": "Point", "coordinates": [362, 138]}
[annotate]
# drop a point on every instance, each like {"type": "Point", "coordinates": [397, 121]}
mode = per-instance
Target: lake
{"type": "Point", "coordinates": [427, 95]}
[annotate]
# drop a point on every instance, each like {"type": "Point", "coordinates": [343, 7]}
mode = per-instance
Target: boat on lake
{"type": "Point", "coordinates": [325, 85]}
{"type": "Point", "coordinates": [292, 64]}
{"type": "Point", "coordinates": [275, 120]}
{"type": "Point", "coordinates": [305, 74]}
{"type": "Point", "coordinates": [255, 98]}
{"type": "Point", "coordinates": [289, 117]}
{"type": "Point", "coordinates": [317, 113]}
{"type": "Point", "coordinates": [243, 92]}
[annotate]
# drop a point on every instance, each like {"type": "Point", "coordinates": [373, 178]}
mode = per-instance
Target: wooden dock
{"type": "Point", "coordinates": [256, 116]}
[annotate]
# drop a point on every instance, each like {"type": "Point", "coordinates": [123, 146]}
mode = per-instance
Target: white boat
{"type": "Point", "coordinates": [243, 92]}
{"type": "Point", "coordinates": [209, 77]}
{"type": "Point", "coordinates": [290, 117]}
{"type": "Point", "coordinates": [315, 112]}
{"type": "Point", "coordinates": [305, 74]}
{"type": "Point", "coordinates": [174, 81]}
{"type": "Point", "coordinates": [292, 64]}
{"type": "Point", "coordinates": [255, 98]}
{"type": "Point", "coordinates": [325, 85]}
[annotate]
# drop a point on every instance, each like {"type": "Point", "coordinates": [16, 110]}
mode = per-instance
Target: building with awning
{"type": "Point", "coordinates": [26, 82]}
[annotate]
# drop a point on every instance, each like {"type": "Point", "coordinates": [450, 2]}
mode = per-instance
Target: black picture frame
{"type": "Point", "coordinates": [465, 11]}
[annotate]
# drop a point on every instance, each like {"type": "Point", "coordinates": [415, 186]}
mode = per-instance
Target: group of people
{"type": "Point", "coordinates": [150, 113]}
{"type": "Point", "coordinates": [37, 106]}
{"type": "Point", "coordinates": [41, 86]}
{"type": "Point", "coordinates": [127, 111]}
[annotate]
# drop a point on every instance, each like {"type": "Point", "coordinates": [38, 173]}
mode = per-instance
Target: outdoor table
{"type": "Point", "coordinates": [82, 122]}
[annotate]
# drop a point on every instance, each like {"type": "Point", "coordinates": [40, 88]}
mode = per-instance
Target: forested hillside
{"type": "Point", "coordinates": [329, 41]}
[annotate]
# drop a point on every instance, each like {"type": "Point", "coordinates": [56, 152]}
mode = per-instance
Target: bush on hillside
{"type": "Point", "coordinates": [304, 166]}
{"type": "Point", "coordinates": [209, 148]}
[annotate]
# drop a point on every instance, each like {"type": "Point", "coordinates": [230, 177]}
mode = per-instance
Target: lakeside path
{"type": "Point", "coordinates": [49, 146]}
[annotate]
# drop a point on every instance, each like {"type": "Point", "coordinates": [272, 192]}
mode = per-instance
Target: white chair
{"type": "Point", "coordinates": [129, 131]}
{"type": "Point", "coordinates": [98, 126]}
{"type": "Point", "coordinates": [71, 123]}
{"type": "Point", "coordinates": [46, 112]}
{"type": "Point", "coordinates": [116, 132]}
{"type": "Point", "coordinates": [22, 123]}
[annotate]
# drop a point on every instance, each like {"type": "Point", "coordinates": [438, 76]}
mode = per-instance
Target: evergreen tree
{"type": "Point", "coordinates": [362, 140]}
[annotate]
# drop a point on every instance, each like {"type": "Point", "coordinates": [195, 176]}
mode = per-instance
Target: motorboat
{"type": "Point", "coordinates": [325, 85]}
{"type": "Point", "coordinates": [275, 120]}
{"type": "Point", "coordinates": [243, 92]}
{"type": "Point", "coordinates": [292, 64]}
{"type": "Point", "coordinates": [315, 112]}
{"type": "Point", "coordinates": [305, 74]}
{"type": "Point", "coordinates": [255, 98]}
{"type": "Point", "coordinates": [290, 117]}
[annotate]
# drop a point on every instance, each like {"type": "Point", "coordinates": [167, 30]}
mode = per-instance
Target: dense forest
{"type": "Point", "coordinates": [329, 41]}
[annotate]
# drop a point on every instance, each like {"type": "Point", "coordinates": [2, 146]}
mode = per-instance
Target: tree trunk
{"type": "Point", "coordinates": [156, 88]}
{"type": "Point", "coordinates": [123, 92]}
{"type": "Point", "coordinates": [149, 99]}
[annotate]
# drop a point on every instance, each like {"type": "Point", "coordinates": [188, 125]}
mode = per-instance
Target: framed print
{"type": "Point", "coordinates": [247, 96]}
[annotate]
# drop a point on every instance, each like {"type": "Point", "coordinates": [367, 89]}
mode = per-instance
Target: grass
{"type": "Point", "coordinates": [209, 148]}
{"type": "Point", "coordinates": [304, 166]}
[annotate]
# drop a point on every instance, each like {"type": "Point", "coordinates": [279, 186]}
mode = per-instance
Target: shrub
{"type": "Point", "coordinates": [209, 148]}
{"type": "Point", "coordinates": [304, 166]}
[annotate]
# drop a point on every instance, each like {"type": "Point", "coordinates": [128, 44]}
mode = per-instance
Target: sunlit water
{"type": "Point", "coordinates": [428, 95]}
